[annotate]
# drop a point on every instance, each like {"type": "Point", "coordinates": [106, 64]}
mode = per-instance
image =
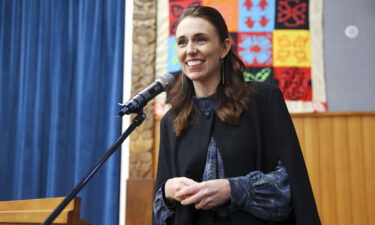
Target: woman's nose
{"type": "Point", "coordinates": [191, 49]}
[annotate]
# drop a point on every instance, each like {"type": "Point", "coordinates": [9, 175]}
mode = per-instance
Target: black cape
{"type": "Point", "coordinates": [264, 135]}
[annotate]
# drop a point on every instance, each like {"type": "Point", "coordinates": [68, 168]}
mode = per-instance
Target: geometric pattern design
{"type": "Point", "coordinates": [256, 15]}
{"type": "Point", "coordinates": [291, 48]}
{"type": "Point", "coordinates": [259, 74]}
{"type": "Point", "coordinates": [292, 14]}
{"type": "Point", "coordinates": [272, 37]}
{"type": "Point", "coordinates": [255, 49]}
{"type": "Point", "coordinates": [294, 82]}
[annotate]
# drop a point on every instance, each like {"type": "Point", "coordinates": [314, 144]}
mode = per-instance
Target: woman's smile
{"type": "Point", "coordinates": [194, 64]}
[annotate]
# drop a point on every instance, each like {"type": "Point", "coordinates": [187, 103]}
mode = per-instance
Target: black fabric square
{"type": "Point", "coordinates": [292, 14]}
{"type": "Point", "coordinates": [259, 74]}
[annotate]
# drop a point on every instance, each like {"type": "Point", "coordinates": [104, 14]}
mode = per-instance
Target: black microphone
{"type": "Point", "coordinates": [162, 83]}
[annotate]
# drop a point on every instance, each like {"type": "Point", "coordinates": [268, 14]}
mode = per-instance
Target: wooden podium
{"type": "Point", "coordinates": [35, 211]}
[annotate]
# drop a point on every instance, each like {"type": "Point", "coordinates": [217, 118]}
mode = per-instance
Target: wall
{"type": "Point", "coordinates": [349, 63]}
{"type": "Point", "coordinates": [339, 153]}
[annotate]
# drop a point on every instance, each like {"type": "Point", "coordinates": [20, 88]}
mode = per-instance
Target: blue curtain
{"type": "Point", "coordinates": [61, 64]}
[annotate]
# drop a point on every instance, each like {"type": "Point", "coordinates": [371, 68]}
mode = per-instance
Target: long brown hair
{"type": "Point", "coordinates": [233, 94]}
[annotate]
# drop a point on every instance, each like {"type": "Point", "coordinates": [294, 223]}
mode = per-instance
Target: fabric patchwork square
{"type": "Point", "coordinates": [172, 61]}
{"type": "Point", "coordinates": [229, 10]}
{"type": "Point", "coordinates": [259, 74]}
{"type": "Point", "coordinates": [294, 82]}
{"type": "Point", "coordinates": [256, 15]}
{"type": "Point", "coordinates": [176, 8]}
{"type": "Point", "coordinates": [255, 49]}
{"type": "Point", "coordinates": [292, 14]}
{"type": "Point", "coordinates": [291, 48]}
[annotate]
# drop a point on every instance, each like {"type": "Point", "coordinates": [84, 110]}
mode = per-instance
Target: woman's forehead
{"type": "Point", "coordinates": [191, 26]}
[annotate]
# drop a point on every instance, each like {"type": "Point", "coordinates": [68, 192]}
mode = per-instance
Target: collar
{"type": "Point", "coordinates": [205, 103]}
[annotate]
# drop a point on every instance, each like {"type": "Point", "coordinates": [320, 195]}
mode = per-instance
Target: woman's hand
{"type": "Point", "coordinates": [205, 195]}
{"type": "Point", "coordinates": [173, 185]}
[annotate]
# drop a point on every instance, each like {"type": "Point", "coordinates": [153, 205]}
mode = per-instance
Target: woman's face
{"type": "Point", "coordinates": [199, 50]}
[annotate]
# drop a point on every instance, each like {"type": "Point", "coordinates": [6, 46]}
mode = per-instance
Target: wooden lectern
{"type": "Point", "coordinates": [35, 211]}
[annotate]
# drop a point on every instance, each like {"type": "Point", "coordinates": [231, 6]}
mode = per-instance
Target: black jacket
{"type": "Point", "coordinates": [264, 135]}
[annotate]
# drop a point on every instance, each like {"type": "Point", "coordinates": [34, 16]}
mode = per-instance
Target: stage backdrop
{"type": "Point", "coordinates": [60, 82]}
{"type": "Point", "coordinates": [280, 41]}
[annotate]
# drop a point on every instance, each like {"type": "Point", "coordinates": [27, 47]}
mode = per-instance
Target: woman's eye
{"type": "Point", "coordinates": [202, 40]}
{"type": "Point", "coordinates": [181, 43]}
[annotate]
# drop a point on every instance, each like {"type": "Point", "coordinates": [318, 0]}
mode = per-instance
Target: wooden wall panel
{"type": "Point", "coordinates": [339, 150]}
{"type": "Point", "coordinates": [311, 153]}
{"type": "Point", "coordinates": [139, 192]}
{"type": "Point", "coordinates": [368, 130]}
{"type": "Point", "coordinates": [341, 167]}
{"type": "Point", "coordinates": [357, 183]}
{"type": "Point", "coordinates": [327, 178]}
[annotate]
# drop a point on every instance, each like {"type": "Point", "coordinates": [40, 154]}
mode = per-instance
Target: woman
{"type": "Point", "coordinates": [228, 150]}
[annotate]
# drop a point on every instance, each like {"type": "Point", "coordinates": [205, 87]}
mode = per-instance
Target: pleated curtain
{"type": "Point", "coordinates": [61, 74]}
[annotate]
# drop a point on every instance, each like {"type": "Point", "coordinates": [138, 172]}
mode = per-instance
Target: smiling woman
{"type": "Point", "coordinates": [229, 153]}
{"type": "Point", "coordinates": [200, 51]}
{"type": "Point", "coordinates": [206, 57]}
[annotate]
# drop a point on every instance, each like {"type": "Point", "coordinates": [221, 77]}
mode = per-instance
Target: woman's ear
{"type": "Point", "coordinates": [226, 47]}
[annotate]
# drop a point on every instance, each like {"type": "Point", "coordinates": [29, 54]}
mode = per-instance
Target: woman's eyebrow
{"type": "Point", "coordinates": [195, 35]}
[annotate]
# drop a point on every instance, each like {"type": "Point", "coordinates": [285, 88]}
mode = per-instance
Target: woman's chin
{"type": "Point", "coordinates": [195, 76]}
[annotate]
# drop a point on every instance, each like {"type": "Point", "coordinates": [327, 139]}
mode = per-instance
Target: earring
{"type": "Point", "coordinates": [222, 71]}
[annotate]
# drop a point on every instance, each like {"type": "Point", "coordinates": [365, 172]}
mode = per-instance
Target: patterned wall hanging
{"type": "Point", "coordinates": [280, 41]}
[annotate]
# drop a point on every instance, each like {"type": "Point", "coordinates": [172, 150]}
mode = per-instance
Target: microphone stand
{"type": "Point", "coordinates": [138, 120]}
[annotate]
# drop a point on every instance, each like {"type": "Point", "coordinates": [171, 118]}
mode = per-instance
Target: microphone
{"type": "Point", "coordinates": [162, 83]}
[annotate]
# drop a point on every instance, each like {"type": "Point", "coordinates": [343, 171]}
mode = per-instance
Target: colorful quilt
{"type": "Point", "coordinates": [280, 41]}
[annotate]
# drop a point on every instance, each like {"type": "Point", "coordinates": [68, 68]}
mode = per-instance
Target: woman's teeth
{"type": "Point", "coordinates": [194, 63]}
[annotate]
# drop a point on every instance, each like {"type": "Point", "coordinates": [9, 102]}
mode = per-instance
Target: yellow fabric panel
{"type": "Point", "coordinates": [291, 48]}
